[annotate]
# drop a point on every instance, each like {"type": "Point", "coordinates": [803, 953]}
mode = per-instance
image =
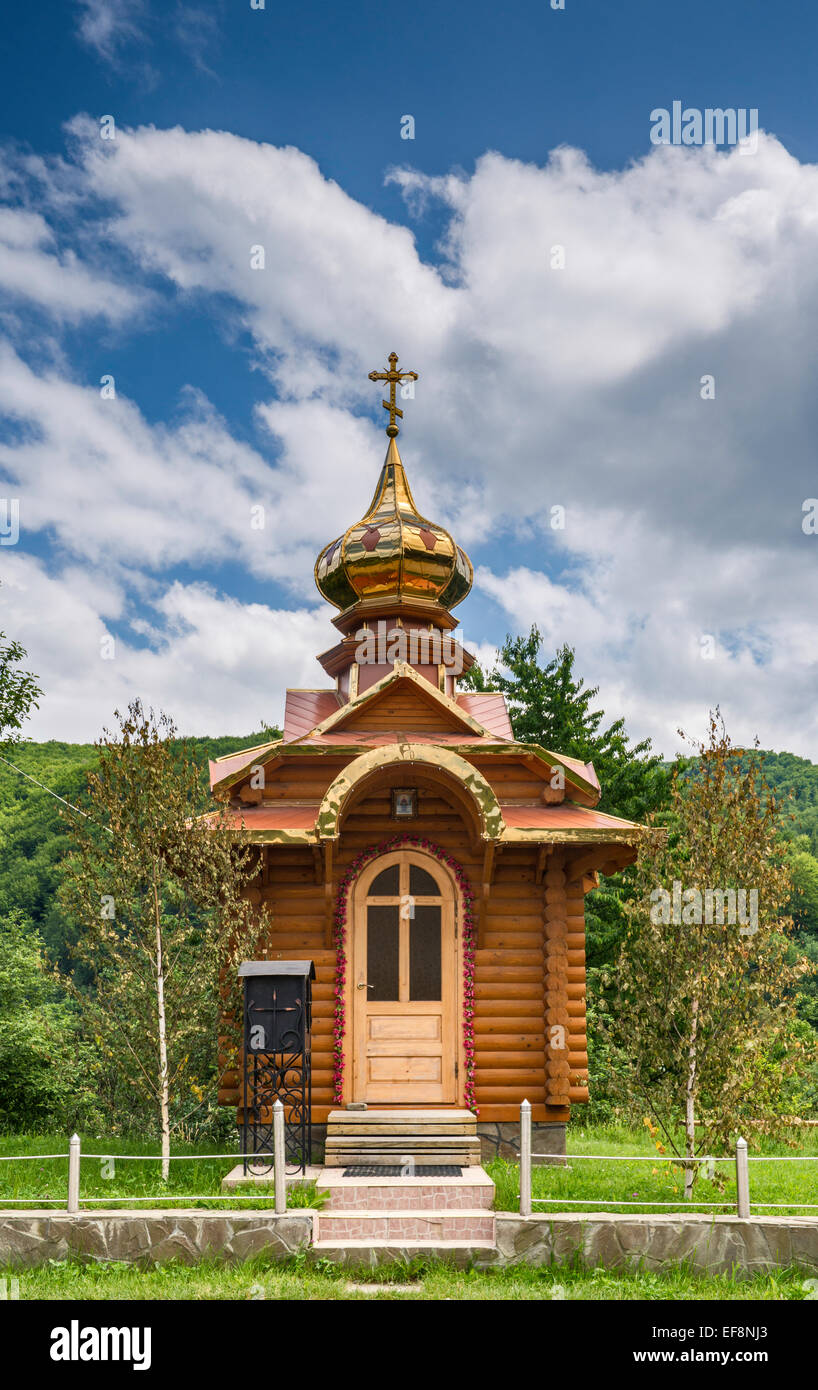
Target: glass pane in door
{"type": "Point", "coordinates": [424, 952]}
{"type": "Point", "coordinates": [382, 951]}
{"type": "Point", "coordinates": [386, 884]}
{"type": "Point", "coordinates": [421, 884]}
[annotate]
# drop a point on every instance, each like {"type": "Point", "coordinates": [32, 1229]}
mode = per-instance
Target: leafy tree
{"type": "Point", "coordinates": [158, 893]}
{"type": "Point", "coordinates": [803, 906]}
{"type": "Point", "coordinates": [18, 690]}
{"type": "Point", "coordinates": [705, 1016]}
{"type": "Point", "coordinates": [803, 868]}
{"type": "Point", "coordinates": [46, 1072]}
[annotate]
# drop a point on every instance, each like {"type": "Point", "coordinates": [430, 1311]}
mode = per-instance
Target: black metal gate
{"type": "Point", "coordinates": [277, 1024]}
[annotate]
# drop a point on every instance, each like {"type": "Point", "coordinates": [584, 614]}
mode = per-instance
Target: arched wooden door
{"type": "Point", "coordinates": [404, 982]}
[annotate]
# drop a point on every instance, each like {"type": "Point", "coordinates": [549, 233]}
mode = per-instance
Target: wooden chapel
{"type": "Point", "coordinates": [432, 867]}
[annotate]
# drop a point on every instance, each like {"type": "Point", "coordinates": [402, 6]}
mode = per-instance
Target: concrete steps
{"type": "Point", "coordinates": [393, 1136]}
{"type": "Point", "coordinates": [404, 1227]}
{"type": "Point", "coordinates": [447, 1215]}
{"type": "Point", "coordinates": [473, 1191]}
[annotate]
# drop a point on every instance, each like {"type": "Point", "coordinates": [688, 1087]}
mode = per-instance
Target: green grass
{"type": "Point", "coordinates": [661, 1181]}
{"type": "Point", "coordinates": [609, 1184]}
{"type": "Point", "coordinates": [40, 1181]}
{"type": "Point", "coordinates": [419, 1280]}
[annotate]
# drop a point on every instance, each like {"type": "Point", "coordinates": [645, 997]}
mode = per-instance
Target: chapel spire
{"type": "Point", "coordinates": [393, 560]}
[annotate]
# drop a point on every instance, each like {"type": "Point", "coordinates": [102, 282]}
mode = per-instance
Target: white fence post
{"type": "Point", "coordinates": [525, 1158]}
{"type": "Point", "coordinates": [73, 1175]}
{"type": "Point", "coordinates": [742, 1179]}
{"type": "Point", "coordinates": [279, 1158]}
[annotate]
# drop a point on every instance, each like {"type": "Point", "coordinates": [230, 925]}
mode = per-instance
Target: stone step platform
{"type": "Point", "coordinates": [472, 1191]}
{"type": "Point", "coordinates": [403, 1227]}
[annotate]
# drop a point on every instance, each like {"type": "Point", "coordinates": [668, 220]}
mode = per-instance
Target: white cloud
{"type": "Point", "coordinates": [538, 386]}
{"type": "Point", "coordinates": [107, 26]}
{"type": "Point", "coordinates": [31, 270]}
{"type": "Point", "coordinates": [215, 664]}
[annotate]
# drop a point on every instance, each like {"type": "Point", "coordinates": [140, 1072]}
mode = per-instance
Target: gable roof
{"type": "Point", "coordinates": [402, 676]}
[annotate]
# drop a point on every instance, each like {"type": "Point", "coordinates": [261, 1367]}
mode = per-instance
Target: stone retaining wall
{"type": "Point", "coordinates": [708, 1244]}
{"type": "Point", "coordinates": [713, 1245]}
{"type": "Point", "coordinates": [151, 1237]}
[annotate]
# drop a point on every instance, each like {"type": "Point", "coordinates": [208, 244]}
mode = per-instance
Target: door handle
{"type": "Point", "coordinates": [363, 985]}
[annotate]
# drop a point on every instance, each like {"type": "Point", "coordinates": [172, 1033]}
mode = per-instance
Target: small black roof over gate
{"type": "Point", "coordinates": [278, 967]}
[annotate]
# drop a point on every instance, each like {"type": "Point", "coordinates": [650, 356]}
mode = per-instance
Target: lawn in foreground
{"type": "Point", "coordinates": [420, 1280]}
{"type": "Point", "coordinates": [628, 1187]}
{"type": "Point", "coordinates": [608, 1185]}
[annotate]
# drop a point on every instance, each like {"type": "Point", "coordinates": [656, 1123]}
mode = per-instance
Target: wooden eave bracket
{"type": "Point", "coordinates": [602, 859]}
{"type": "Point", "coordinates": [542, 860]}
{"type": "Point", "coordinates": [329, 889]}
{"type": "Point", "coordinates": [490, 853]}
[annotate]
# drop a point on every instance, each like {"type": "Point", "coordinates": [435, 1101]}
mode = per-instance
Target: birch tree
{"type": "Point", "coordinates": [155, 889]}
{"type": "Point", "coordinates": [704, 1019]}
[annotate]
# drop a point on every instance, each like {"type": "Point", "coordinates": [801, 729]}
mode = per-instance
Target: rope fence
{"type": "Point", "coordinates": [75, 1157]}
{"type": "Point", "coordinates": [740, 1159]}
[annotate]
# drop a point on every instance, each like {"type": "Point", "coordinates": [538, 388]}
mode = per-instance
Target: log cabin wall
{"type": "Point", "coordinates": [530, 957]}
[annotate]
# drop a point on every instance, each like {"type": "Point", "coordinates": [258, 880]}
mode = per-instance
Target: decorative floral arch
{"type": "Point", "coordinates": [340, 941]}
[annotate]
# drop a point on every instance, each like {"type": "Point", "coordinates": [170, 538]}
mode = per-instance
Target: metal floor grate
{"type": "Point", "coordinates": [395, 1170]}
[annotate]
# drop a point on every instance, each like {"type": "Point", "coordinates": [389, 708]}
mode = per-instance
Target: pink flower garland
{"type": "Point", "coordinates": [467, 899]}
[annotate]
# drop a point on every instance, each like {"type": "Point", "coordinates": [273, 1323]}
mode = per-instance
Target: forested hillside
{"type": "Point", "coordinates": [33, 834]}
{"type": "Point", "coordinates": [795, 783]}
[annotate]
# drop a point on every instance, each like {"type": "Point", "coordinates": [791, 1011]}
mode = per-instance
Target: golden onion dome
{"type": "Point", "coordinates": [393, 553]}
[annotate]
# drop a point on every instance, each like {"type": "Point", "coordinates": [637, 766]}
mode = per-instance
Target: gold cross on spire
{"type": "Point", "coordinates": [393, 376]}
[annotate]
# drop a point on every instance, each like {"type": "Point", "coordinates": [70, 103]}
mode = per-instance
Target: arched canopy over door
{"type": "Point", "coordinates": [404, 980]}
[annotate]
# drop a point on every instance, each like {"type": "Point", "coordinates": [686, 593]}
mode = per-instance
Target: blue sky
{"type": "Point", "coordinates": [537, 388]}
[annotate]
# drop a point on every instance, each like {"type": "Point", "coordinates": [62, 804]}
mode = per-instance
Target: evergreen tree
{"type": "Point", "coordinates": [549, 705]}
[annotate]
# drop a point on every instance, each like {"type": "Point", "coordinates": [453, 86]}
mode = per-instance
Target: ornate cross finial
{"type": "Point", "coordinates": [393, 376]}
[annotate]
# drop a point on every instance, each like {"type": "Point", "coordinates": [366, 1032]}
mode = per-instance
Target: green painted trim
{"type": "Point", "coordinates": [444, 759]}
{"type": "Point", "coordinates": [518, 834]}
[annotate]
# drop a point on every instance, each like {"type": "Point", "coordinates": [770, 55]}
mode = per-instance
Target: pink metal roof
{"type": "Point", "coordinates": [489, 709]}
{"type": "Point", "coordinates": [306, 708]}
{"type": "Point", "coordinates": [564, 817]}
{"type": "Point", "coordinates": [233, 762]}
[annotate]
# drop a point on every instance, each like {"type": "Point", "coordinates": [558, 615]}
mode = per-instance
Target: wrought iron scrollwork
{"type": "Point", "coordinates": [282, 1073]}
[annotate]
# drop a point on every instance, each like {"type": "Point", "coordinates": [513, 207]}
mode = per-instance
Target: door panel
{"type": "Point", "coordinates": [405, 1069]}
{"type": "Point", "coordinates": [404, 973]}
{"type": "Point", "coordinates": [416, 1026]}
